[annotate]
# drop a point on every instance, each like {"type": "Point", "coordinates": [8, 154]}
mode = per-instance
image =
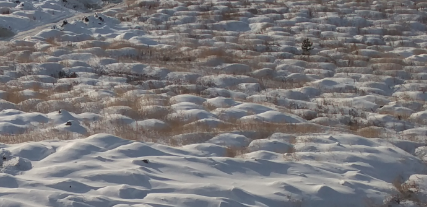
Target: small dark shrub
{"type": "Point", "coordinates": [306, 46]}
{"type": "Point", "coordinates": [63, 74]}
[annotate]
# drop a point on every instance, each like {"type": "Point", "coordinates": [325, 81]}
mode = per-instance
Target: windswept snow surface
{"type": "Point", "coordinates": [104, 170]}
{"type": "Point", "coordinates": [25, 17]}
{"type": "Point", "coordinates": [224, 107]}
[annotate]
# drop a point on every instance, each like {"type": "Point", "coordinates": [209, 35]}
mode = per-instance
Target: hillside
{"type": "Point", "coordinates": [213, 103]}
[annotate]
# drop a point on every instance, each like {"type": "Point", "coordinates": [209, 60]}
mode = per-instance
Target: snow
{"type": "Point", "coordinates": [171, 103]}
{"type": "Point", "coordinates": [106, 170]}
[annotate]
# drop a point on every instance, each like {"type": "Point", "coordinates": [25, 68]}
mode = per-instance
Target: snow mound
{"type": "Point", "coordinates": [106, 170]}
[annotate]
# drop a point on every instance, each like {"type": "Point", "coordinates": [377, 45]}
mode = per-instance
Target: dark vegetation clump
{"type": "Point", "coordinates": [306, 46]}
{"type": "Point", "coordinates": [63, 74]}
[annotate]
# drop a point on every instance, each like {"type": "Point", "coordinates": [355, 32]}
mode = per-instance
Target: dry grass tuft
{"type": "Point", "coordinates": [235, 151]}
{"type": "Point", "coordinates": [370, 132]}
{"type": "Point", "coordinates": [53, 41]}
{"type": "Point", "coordinates": [291, 155]}
{"type": "Point", "coordinates": [14, 94]}
{"type": "Point", "coordinates": [119, 44]}
{"type": "Point", "coordinates": [406, 191]}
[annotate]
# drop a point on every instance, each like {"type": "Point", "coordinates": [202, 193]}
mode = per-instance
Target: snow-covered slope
{"type": "Point", "coordinates": [20, 16]}
{"type": "Point", "coordinates": [219, 97]}
{"type": "Point", "coordinates": [104, 170]}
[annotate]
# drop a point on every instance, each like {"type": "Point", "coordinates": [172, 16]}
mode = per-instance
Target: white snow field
{"type": "Point", "coordinates": [173, 103]}
{"type": "Point", "coordinates": [25, 16]}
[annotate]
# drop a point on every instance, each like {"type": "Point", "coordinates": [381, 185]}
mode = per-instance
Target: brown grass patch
{"type": "Point", "coordinates": [285, 84]}
{"type": "Point", "coordinates": [370, 132]}
{"type": "Point", "coordinates": [386, 66]}
{"type": "Point", "coordinates": [235, 151]}
{"type": "Point", "coordinates": [264, 129]}
{"type": "Point", "coordinates": [36, 136]}
{"type": "Point", "coordinates": [392, 61]}
{"type": "Point", "coordinates": [119, 44]}
{"type": "Point", "coordinates": [14, 95]}
{"type": "Point", "coordinates": [53, 41]}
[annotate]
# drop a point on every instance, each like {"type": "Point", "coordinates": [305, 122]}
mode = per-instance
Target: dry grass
{"type": "Point", "coordinates": [5, 11]}
{"type": "Point", "coordinates": [397, 115]}
{"type": "Point", "coordinates": [177, 127]}
{"type": "Point", "coordinates": [138, 133]}
{"type": "Point", "coordinates": [232, 14]}
{"type": "Point", "coordinates": [156, 57]}
{"type": "Point", "coordinates": [264, 129]}
{"type": "Point", "coordinates": [392, 61]}
{"type": "Point", "coordinates": [129, 132]}
{"type": "Point", "coordinates": [235, 151]}
{"type": "Point", "coordinates": [386, 66]}
{"type": "Point", "coordinates": [36, 136]}
{"type": "Point", "coordinates": [208, 106]}
{"type": "Point", "coordinates": [291, 155]}
{"type": "Point", "coordinates": [406, 191]}
{"type": "Point", "coordinates": [177, 59]}
{"type": "Point", "coordinates": [17, 53]}
{"type": "Point", "coordinates": [419, 51]}
{"type": "Point", "coordinates": [205, 52]}
{"type": "Point", "coordinates": [53, 41]}
{"type": "Point", "coordinates": [129, 2]}
{"type": "Point", "coordinates": [266, 83]}
{"type": "Point", "coordinates": [14, 95]}
{"type": "Point", "coordinates": [119, 44]}
{"type": "Point", "coordinates": [141, 106]}
{"type": "Point", "coordinates": [137, 9]}
{"type": "Point", "coordinates": [124, 100]}
{"type": "Point", "coordinates": [370, 132]}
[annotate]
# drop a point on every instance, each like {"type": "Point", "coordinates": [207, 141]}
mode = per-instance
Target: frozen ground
{"type": "Point", "coordinates": [212, 103]}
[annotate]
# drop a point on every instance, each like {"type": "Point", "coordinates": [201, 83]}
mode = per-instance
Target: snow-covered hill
{"type": "Point", "coordinates": [18, 16]}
